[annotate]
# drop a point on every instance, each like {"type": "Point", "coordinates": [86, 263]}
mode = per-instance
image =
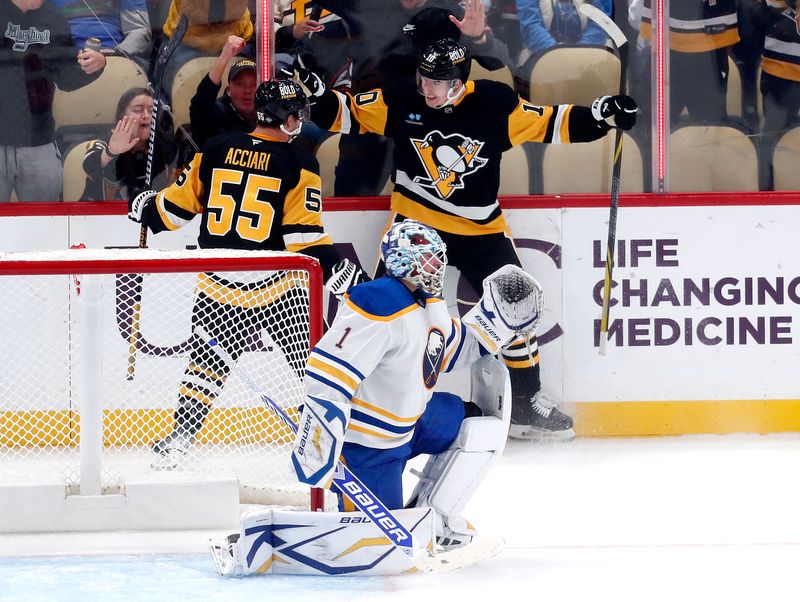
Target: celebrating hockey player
{"type": "Point", "coordinates": [450, 134]}
{"type": "Point", "coordinates": [378, 364]}
{"type": "Point", "coordinates": [255, 191]}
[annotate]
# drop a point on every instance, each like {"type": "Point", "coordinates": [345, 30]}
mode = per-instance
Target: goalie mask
{"type": "Point", "coordinates": [276, 100]}
{"type": "Point", "coordinates": [444, 63]}
{"type": "Point", "coordinates": [416, 253]}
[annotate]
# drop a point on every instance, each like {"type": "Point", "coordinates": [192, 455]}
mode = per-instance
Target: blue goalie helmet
{"type": "Point", "coordinates": [415, 253]}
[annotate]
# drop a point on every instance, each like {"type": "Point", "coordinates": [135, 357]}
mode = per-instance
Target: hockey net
{"type": "Point", "coordinates": [72, 350]}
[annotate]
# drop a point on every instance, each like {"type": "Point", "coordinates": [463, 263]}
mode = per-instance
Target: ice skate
{"type": "Point", "coordinates": [539, 419]}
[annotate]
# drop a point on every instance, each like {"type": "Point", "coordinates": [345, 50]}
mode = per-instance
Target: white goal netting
{"type": "Point", "coordinates": [99, 358]}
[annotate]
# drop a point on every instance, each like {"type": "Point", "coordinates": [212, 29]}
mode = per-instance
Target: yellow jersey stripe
{"type": "Point", "coordinates": [443, 221]}
{"type": "Point", "coordinates": [334, 372]}
{"type": "Point", "coordinates": [375, 409]}
{"type": "Point", "coordinates": [243, 298]}
{"type": "Point", "coordinates": [388, 318]}
{"type": "Point", "coordinates": [360, 429]}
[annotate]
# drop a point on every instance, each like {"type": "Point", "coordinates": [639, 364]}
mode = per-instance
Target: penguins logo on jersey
{"type": "Point", "coordinates": [447, 161]}
{"type": "Point", "coordinates": [434, 355]}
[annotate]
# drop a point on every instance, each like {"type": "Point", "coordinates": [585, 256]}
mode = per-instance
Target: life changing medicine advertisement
{"type": "Point", "coordinates": [705, 302]}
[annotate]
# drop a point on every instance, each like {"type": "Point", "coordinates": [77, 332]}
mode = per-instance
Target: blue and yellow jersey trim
{"type": "Point", "coordinates": [333, 372]}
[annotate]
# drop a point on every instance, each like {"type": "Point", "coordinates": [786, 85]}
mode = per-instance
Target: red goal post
{"type": "Point", "coordinates": [70, 416]}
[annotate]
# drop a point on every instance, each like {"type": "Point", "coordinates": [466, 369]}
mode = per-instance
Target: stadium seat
{"type": "Point", "coordinates": [712, 158]}
{"type": "Point", "coordinates": [587, 167]}
{"type": "Point", "coordinates": [514, 172]}
{"type": "Point", "coordinates": [97, 102]}
{"type": "Point", "coordinates": [499, 75]}
{"type": "Point", "coordinates": [74, 176]}
{"type": "Point", "coordinates": [185, 85]}
{"type": "Point", "coordinates": [328, 156]}
{"type": "Point", "coordinates": [90, 111]}
{"type": "Point", "coordinates": [785, 161]}
{"type": "Point", "coordinates": [573, 74]}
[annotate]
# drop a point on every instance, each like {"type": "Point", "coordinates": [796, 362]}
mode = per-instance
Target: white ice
{"type": "Point", "coordinates": [712, 518]}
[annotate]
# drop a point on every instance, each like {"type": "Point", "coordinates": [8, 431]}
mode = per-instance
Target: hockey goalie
{"type": "Point", "coordinates": [371, 403]}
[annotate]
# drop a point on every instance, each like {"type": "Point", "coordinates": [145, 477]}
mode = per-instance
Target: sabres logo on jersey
{"type": "Point", "coordinates": [447, 161]}
{"type": "Point", "coordinates": [434, 355]}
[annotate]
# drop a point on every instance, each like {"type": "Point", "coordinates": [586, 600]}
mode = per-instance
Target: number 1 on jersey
{"type": "Point", "coordinates": [344, 336]}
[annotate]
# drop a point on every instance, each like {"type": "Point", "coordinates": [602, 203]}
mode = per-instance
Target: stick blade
{"type": "Point", "coordinates": [605, 22]}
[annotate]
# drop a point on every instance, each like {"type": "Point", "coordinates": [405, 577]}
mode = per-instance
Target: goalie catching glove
{"type": "Point", "coordinates": [616, 111]}
{"type": "Point", "coordinates": [511, 306]}
{"type": "Point", "coordinates": [319, 440]}
{"type": "Point", "coordinates": [344, 276]}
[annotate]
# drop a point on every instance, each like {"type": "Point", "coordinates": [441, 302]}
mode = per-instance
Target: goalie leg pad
{"type": "Point", "coordinates": [450, 479]}
{"type": "Point", "coordinates": [275, 541]}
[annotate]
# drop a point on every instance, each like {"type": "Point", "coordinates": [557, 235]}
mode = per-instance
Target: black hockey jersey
{"type": "Point", "coordinates": [447, 161]}
{"type": "Point", "coordinates": [697, 25]}
{"type": "Point", "coordinates": [781, 56]}
{"type": "Point", "coordinates": [254, 193]}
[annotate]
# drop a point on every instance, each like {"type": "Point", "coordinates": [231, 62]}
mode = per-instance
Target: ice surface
{"type": "Point", "coordinates": [659, 519]}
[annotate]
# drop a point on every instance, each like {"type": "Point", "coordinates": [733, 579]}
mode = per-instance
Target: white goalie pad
{"type": "Point", "coordinates": [511, 306]}
{"type": "Point", "coordinates": [450, 479]}
{"type": "Point", "coordinates": [274, 541]}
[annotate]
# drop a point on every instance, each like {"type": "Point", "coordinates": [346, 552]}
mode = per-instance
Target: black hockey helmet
{"type": "Point", "coordinates": [446, 59]}
{"type": "Point", "coordinates": [276, 99]}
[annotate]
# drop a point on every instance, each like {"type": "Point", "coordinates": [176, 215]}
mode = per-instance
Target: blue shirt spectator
{"type": "Point", "coordinates": [547, 23]}
{"type": "Point", "coordinates": [122, 26]}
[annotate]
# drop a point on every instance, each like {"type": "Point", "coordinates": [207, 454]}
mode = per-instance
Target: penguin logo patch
{"type": "Point", "coordinates": [447, 161]}
{"type": "Point", "coordinates": [434, 355]}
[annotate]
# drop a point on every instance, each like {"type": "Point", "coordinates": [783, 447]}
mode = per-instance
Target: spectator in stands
{"type": "Point", "coordinates": [37, 53]}
{"type": "Point", "coordinates": [234, 112]}
{"type": "Point", "coordinates": [548, 23]}
{"type": "Point", "coordinates": [780, 75]}
{"type": "Point", "coordinates": [701, 36]}
{"type": "Point", "coordinates": [324, 40]}
{"type": "Point", "coordinates": [121, 26]}
{"type": "Point", "coordinates": [211, 23]}
{"type": "Point", "coordinates": [115, 169]}
{"type": "Point", "coordinates": [503, 21]}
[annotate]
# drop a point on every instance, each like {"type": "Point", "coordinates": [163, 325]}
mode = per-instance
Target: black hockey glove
{"type": "Point", "coordinates": [616, 111]}
{"type": "Point", "coordinates": [312, 83]}
{"type": "Point", "coordinates": [139, 204]}
{"type": "Point", "coordinates": [345, 275]}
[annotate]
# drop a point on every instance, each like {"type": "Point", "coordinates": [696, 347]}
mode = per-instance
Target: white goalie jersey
{"type": "Point", "coordinates": [393, 336]}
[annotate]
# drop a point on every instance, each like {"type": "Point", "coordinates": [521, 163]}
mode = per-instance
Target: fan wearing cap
{"type": "Point", "coordinates": [234, 111]}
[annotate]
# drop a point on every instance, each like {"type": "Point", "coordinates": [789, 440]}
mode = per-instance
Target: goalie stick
{"type": "Point", "coordinates": [350, 485]}
{"type": "Point", "coordinates": [164, 54]}
{"type": "Point", "coordinates": [621, 42]}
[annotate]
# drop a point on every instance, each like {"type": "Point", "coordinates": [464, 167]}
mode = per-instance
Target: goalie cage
{"type": "Point", "coordinates": [76, 428]}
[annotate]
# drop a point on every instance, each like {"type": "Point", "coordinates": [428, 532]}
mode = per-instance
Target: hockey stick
{"type": "Point", "coordinates": [350, 485]}
{"type": "Point", "coordinates": [621, 42]}
{"type": "Point", "coordinates": [164, 54]}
